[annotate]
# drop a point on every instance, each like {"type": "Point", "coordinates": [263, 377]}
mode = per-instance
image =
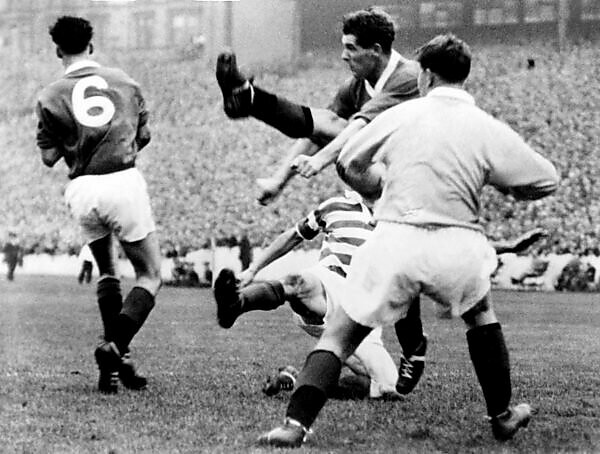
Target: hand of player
{"type": "Point", "coordinates": [307, 166]}
{"type": "Point", "coordinates": [247, 277]}
{"type": "Point", "coordinates": [270, 188]}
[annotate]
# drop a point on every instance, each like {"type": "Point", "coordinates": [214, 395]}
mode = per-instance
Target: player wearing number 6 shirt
{"type": "Point", "coordinates": [95, 119]}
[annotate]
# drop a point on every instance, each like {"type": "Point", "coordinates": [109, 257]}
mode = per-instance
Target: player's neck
{"type": "Point", "coordinates": [378, 70]}
{"type": "Point", "coordinates": [68, 60]}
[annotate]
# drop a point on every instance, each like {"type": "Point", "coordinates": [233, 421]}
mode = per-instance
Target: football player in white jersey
{"type": "Point", "coordinates": [432, 156]}
{"type": "Point", "coordinates": [314, 293]}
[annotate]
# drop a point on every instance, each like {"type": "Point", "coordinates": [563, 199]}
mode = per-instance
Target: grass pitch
{"type": "Point", "coordinates": [204, 394]}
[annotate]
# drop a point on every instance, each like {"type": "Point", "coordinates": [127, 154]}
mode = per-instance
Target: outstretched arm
{"type": "Point", "coordinates": [283, 244]}
{"type": "Point", "coordinates": [310, 166]}
{"type": "Point", "coordinates": [271, 187]}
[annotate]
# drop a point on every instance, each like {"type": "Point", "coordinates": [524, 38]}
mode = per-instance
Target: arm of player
{"type": "Point", "coordinates": [51, 153]}
{"type": "Point", "coordinates": [518, 170]}
{"type": "Point", "coordinates": [50, 156]}
{"type": "Point", "coordinates": [143, 136]}
{"type": "Point", "coordinates": [283, 244]}
{"type": "Point", "coordinates": [271, 187]}
{"type": "Point", "coordinates": [310, 166]}
{"type": "Point", "coordinates": [356, 164]}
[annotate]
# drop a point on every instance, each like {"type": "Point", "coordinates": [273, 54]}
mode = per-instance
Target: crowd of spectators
{"type": "Point", "coordinates": [201, 166]}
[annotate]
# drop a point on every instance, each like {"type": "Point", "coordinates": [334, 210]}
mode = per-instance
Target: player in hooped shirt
{"type": "Point", "coordinates": [314, 293]}
{"type": "Point", "coordinates": [95, 119]}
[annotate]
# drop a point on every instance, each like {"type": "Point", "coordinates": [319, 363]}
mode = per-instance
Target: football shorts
{"type": "Point", "coordinates": [452, 265]}
{"type": "Point", "coordinates": [333, 285]}
{"type": "Point", "coordinates": [370, 359]}
{"type": "Point", "coordinates": [115, 203]}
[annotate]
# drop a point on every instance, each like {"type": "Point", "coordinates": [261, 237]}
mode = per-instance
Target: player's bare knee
{"type": "Point", "coordinates": [331, 344]}
{"type": "Point", "coordinates": [150, 283]}
{"type": "Point", "coordinates": [293, 280]}
{"type": "Point", "coordinates": [481, 313]}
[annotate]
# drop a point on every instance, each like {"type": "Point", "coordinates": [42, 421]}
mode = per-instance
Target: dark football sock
{"type": "Point", "coordinates": [294, 120]}
{"type": "Point", "coordinates": [262, 296]}
{"type": "Point", "coordinates": [409, 330]}
{"type": "Point", "coordinates": [490, 360]}
{"type": "Point", "coordinates": [318, 379]}
{"type": "Point", "coordinates": [110, 302]}
{"type": "Point", "coordinates": [136, 307]}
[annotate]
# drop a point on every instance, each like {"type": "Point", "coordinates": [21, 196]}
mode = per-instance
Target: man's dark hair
{"type": "Point", "coordinates": [71, 34]}
{"type": "Point", "coordinates": [447, 56]}
{"type": "Point", "coordinates": [371, 25]}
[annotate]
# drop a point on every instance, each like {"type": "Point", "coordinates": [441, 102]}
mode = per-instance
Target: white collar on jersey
{"type": "Point", "coordinates": [353, 196]}
{"type": "Point", "coordinates": [452, 92]}
{"type": "Point", "coordinates": [385, 75]}
{"type": "Point", "coordinates": [79, 64]}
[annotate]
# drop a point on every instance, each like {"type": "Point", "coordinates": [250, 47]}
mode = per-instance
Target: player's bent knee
{"type": "Point", "coordinates": [331, 345]}
{"type": "Point", "coordinates": [481, 313]}
{"type": "Point", "coordinates": [293, 280]}
{"type": "Point", "coordinates": [151, 284]}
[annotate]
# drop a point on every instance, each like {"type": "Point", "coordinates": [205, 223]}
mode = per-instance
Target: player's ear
{"type": "Point", "coordinates": [91, 48]}
{"type": "Point", "coordinates": [59, 53]}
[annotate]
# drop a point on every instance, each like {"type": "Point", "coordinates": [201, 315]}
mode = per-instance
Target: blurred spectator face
{"type": "Point", "coordinates": [362, 61]}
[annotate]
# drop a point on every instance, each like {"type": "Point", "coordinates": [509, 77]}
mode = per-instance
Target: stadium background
{"type": "Point", "coordinates": [201, 167]}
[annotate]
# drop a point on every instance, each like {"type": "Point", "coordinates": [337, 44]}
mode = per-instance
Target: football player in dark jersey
{"type": "Point", "coordinates": [381, 78]}
{"type": "Point", "coordinates": [95, 119]}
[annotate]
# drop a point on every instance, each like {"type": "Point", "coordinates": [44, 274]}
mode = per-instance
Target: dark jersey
{"type": "Point", "coordinates": [353, 99]}
{"type": "Point", "coordinates": [95, 117]}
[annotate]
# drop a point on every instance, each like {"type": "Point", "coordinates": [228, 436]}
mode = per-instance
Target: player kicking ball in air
{"type": "Point", "coordinates": [381, 78]}
{"type": "Point", "coordinates": [433, 156]}
{"type": "Point", "coordinates": [95, 119]}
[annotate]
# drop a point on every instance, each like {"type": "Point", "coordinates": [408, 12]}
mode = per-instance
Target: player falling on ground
{"type": "Point", "coordinates": [381, 78]}
{"type": "Point", "coordinates": [95, 118]}
{"type": "Point", "coordinates": [433, 156]}
{"type": "Point", "coordinates": [313, 293]}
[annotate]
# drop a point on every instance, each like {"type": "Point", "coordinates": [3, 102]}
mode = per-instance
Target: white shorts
{"type": "Point", "coordinates": [116, 203]}
{"type": "Point", "coordinates": [334, 286]}
{"type": "Point", "coordinates": [370, 359]}
{"type": "Point", "coordinates": [452, 265]}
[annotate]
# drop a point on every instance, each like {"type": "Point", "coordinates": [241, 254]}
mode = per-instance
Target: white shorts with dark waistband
{"type": "Point", "coordinates": [116, 203]}
{"type": "Point", "coordinates": [452, 265]}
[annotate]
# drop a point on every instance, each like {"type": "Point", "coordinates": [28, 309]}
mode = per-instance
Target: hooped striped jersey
{"type": "Point", "coordinates": [346, 222]}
